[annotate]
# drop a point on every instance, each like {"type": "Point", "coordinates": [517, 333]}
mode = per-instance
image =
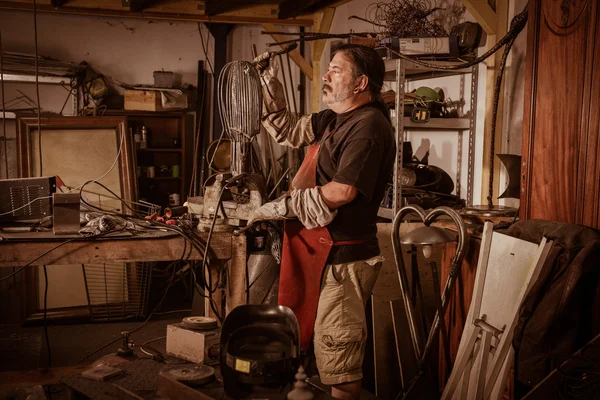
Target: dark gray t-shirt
{"type": "Point", "coordinates": [361, 154]}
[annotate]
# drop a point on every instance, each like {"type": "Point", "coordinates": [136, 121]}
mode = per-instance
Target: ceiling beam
{"type": "Point", "coordinates": [294, 8]}
{"type": "Point", "coordinates": [216, 7]}
{"type": "Point", "coordinates": [294, 54]}
{"type": "Point", "coordinates": [164, 10]}
{"type": "Point", "coordinates": [483, 14]}
{"type": "Point", "coordinates": [137, 5]}
{"type": "Point", "coordinates": [57, 3]}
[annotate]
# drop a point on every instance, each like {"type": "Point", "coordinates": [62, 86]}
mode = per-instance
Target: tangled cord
{"type": "Point", "coordinates": [581, 382]}
{"type": "Point", "coordinates": [405, 18]}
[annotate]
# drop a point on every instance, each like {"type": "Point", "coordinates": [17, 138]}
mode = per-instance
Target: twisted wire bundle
{"type": "Point", "coordinates": [405, 18]}
{"type": "Point", "coordinates": [240, 100]}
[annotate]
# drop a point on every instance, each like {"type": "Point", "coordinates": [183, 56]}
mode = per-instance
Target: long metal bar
{"type": "Point", "coordinates": [41, 79]}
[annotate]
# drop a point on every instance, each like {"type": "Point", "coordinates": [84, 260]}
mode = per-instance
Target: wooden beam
{"type": "Point", "coordinates": [294, 54]}
{"type": "Point", "coordinates": [322, 24]}
{"type": "Point", "coordinates": [292, 8]}
{"type": "Point", "coordinates": [138, 5]}
{"type": "Point", "coordinates": [216, 7]}
{"type": "Point", "coordinates": [172, 10]}
{"type": "Point", "coordinates": [483, 14]}
{"type": "Point", "coordinates": [493, 64]}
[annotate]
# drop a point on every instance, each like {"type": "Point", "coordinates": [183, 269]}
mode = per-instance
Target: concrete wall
{"type": "Point", "coordinates": [127, 50]}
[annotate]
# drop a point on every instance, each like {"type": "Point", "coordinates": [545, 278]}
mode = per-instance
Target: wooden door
{"type": "Point", "coordinates": [561, 149]}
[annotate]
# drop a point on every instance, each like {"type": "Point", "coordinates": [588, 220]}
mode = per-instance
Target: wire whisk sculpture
{"type": "Point", "coordinates": [240, 106]}
{"type": "Point", "coordinates": [240, 100]}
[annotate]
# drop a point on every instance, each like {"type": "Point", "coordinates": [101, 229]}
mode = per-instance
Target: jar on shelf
{"type": "Point", "coordinates": [137, 137]}
{"type": "Point", "coordinates": [144, 138]}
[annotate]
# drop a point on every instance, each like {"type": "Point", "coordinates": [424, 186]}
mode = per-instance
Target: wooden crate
{"type": "Point", "coordinates": [143, 100]}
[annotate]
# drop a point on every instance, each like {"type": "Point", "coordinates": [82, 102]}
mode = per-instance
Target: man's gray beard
{"type": "Point", "coordinates": [340, 97]}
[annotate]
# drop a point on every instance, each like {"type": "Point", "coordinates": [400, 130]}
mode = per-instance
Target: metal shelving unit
{"type": "Point", "coordinates": [403, 71]}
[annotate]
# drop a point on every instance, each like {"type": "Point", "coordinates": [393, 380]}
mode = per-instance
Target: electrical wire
{"type": "Point", "coordinates": [3, 108]}
{"type": "Point", "coordinates": [202, 248]}
{"type": "Point", "coordinates": [212, 70]}
{"type": "Point", "coordinates": [172, 312]}
{"type": "Point", "coordinates": [40, 256]}
{"type": "Point", "coordinates": [110, 191]}
{"type": "Point", "coordinates": [109, 170]}
{"type": "Point", "coordinates": [147, 319]}
{"type": "Point", "coordinates": [153, 340]}
{"type": "Point", "coordinates": [25, 205]}
{"type": "Point", "coordinates": [37, 85]}
{"type": "Point", "coordinates": [191, 237]}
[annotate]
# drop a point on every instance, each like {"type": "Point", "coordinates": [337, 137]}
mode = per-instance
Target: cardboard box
{"type": "Point", "coordinates": [192, 345]}
{"type": "Point", "coordinates": [143, 100]}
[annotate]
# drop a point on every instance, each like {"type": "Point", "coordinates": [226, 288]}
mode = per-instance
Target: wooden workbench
{"type": "Point", "coordinates": [19, 249]}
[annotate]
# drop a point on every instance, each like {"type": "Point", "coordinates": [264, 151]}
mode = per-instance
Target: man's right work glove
{"type": "Point", "coordinates": [267, 66]}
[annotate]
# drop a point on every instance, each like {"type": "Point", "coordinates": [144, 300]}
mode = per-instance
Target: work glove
{"type": "Point", "coordinates": [305, 204]}
{"type": "Point", "coordinates": [267, 66]}
{"type": "Point", "coordinates": [275, 210]}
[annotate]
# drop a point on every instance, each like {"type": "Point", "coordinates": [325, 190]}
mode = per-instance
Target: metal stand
{"type": "Point", "coordinates": [506, 269]}
{"type": "Point", "coordinates": [426, 236]}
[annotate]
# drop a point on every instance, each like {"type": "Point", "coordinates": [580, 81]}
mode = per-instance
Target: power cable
{"type": "Point", "coordinates": [37, 85]}
{"type": "Point", "coordinates": [147, 319]}
{"type": "Point", "coordinates": [202, 248]}
{"type": "Point", "coordinates": [40, 256]}
{"type": "Point", "coordinates": [25, 205]}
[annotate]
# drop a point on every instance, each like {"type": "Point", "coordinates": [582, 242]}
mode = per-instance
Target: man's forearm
{"type": "Point", "coordinates": [287, 128]}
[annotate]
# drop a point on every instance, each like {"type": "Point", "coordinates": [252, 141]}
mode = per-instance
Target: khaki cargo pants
{"type": "Point", "coordinates": [340, 326]}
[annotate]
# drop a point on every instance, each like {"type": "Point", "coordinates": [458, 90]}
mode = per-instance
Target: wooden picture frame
{"type": "Point", "coordinates": [26, 130]}
{"type": "Point", "coordinates": [126, 163]}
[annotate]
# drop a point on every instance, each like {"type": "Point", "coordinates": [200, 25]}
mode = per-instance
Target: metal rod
{"type": "Point", "coordinates": [442, 313]}
{"type": "Point", "coordinates": [293, 95]}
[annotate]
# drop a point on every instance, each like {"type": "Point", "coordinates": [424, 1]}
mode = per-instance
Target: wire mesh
{"type": "Point", "coordinates": [240, 100]}
{"type": "Point", "coordinates": [117, 291]}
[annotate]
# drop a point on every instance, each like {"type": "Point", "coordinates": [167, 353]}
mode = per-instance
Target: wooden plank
{"type": "Point", "coordinates": [16, 253]}
{"type": "Point", "coordinates": [324, 19]}
{"type": "Point", "coordinates": [322, 24]}
{"type": "Point", "coordinates": [493, 64]}
{"type": "Point", "coordinates": [294, 54]}
{"type": "Point", "coordinates": [484, 15]}
{"type": "Point", "coordinates": [236, 277]}
{"type": "Point", "coordinates": [173, 10]}
{"type": "Point", "coordinates": [44, 376]}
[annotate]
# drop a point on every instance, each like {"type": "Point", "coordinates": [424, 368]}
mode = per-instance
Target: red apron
{"type": "Point", "coordinates": [304, 255]}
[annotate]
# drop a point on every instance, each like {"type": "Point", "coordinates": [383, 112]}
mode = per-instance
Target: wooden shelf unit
{"type": "Point", "coordinates": [169, 143]}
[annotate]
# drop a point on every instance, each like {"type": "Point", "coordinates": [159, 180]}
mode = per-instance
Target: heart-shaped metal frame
{"type": "Point", "coordinates": [428, 219]}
